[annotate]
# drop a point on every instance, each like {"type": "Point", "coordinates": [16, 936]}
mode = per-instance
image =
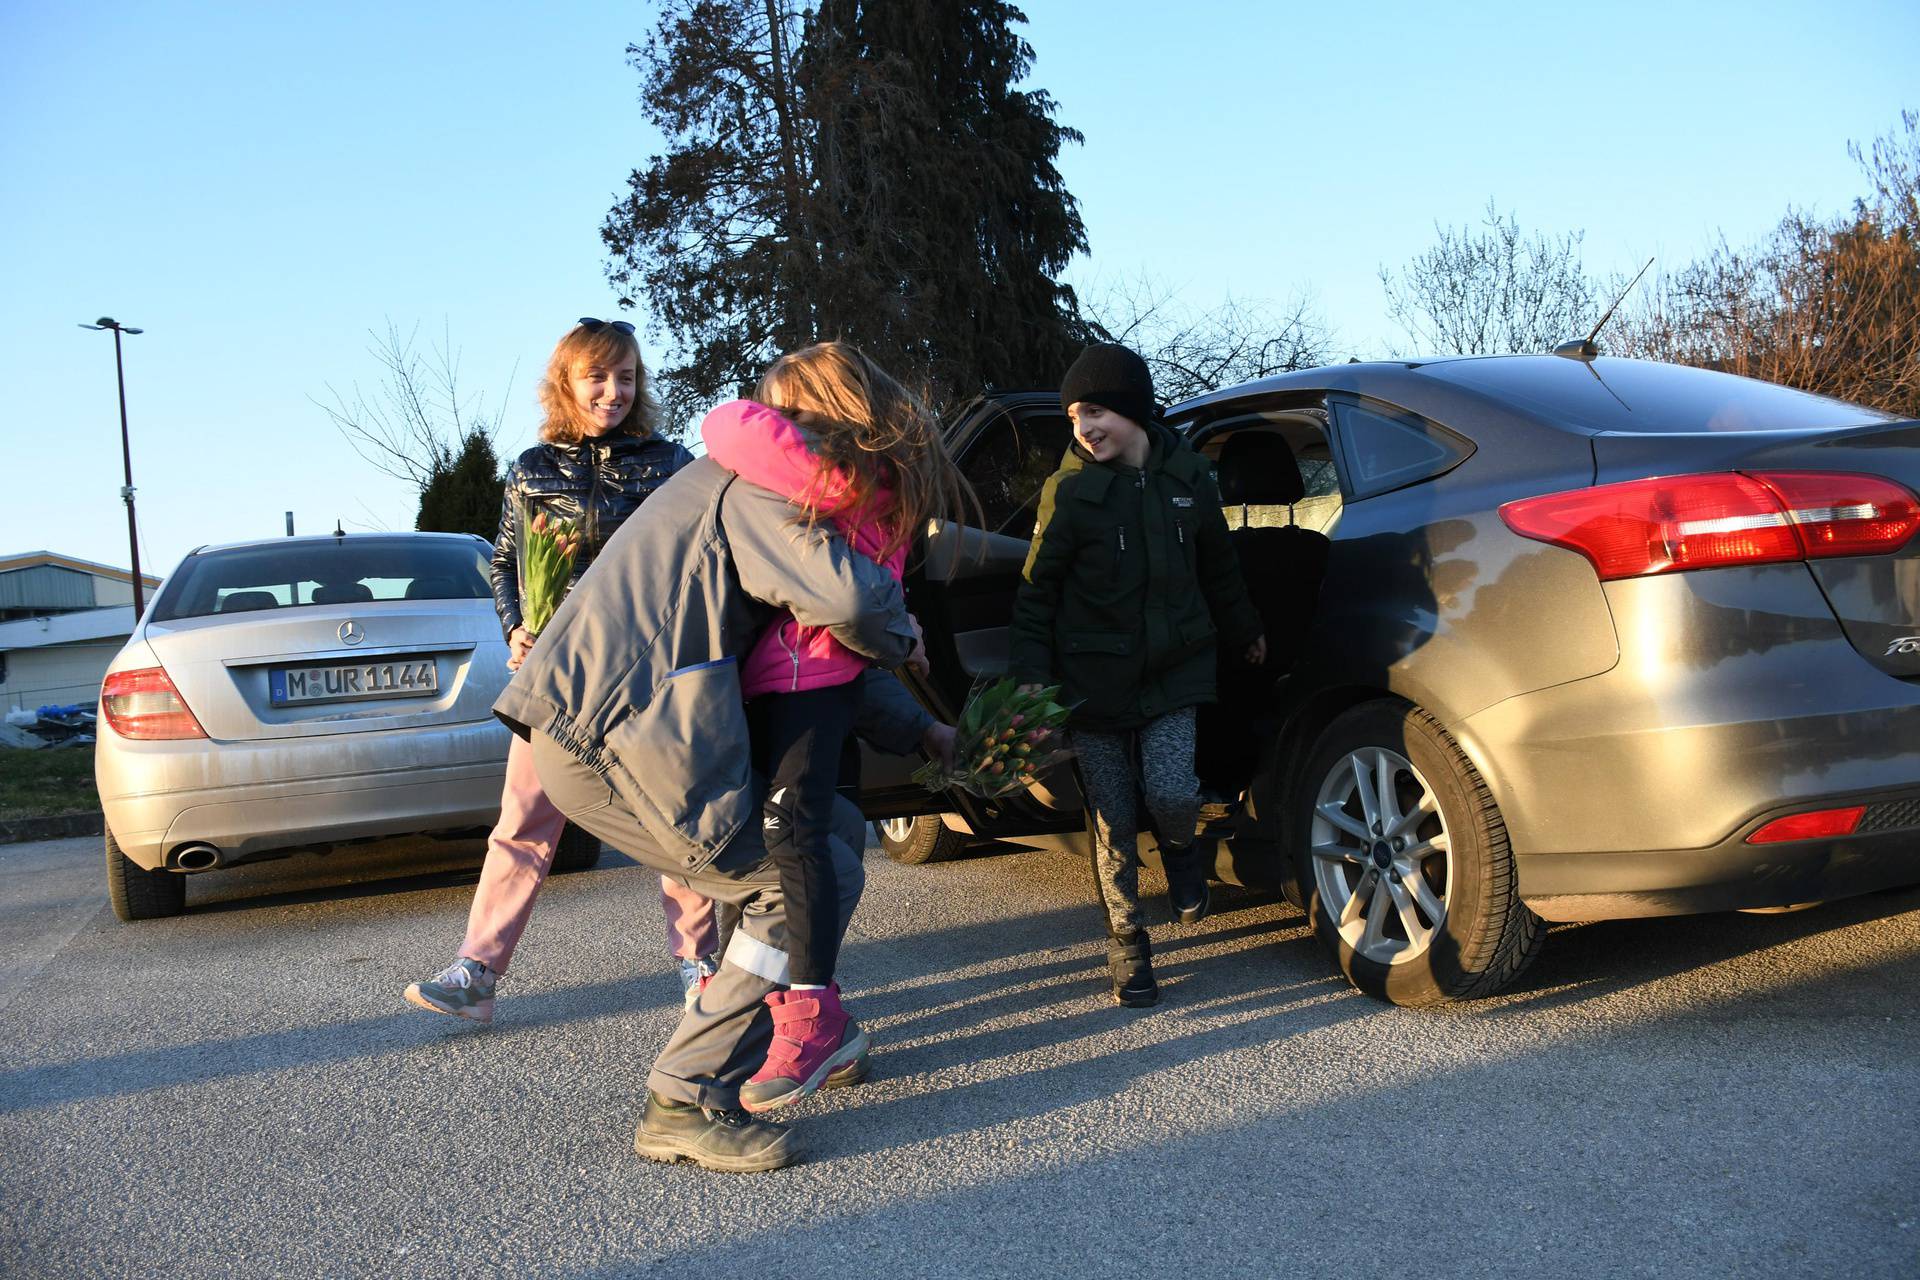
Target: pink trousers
{"type": "Point", "coordinates": [519, 854]}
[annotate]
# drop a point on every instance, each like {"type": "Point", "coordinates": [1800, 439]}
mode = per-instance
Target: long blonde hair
{"type": "Point", "coordinates": [865, 425]}
{"type": "Point", "coordinates": [587, 345]}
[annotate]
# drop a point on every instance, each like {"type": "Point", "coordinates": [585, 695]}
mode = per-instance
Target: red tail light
{"type": "Point", "coordinates": [144, 704]}
{"type": "Point", "coordinates": [1676, 523]}
{"type": "Point", "coordinates": [1822, 823]}
{"type": "Point", "coordinates": [1837, 514]}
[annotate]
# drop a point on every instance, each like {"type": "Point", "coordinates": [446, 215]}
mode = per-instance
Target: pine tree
{"type": "Point", "coordinates": [714, 235]}
{"type": "Point", "coordinates": [870, 171]}
{"type": "Point", "coordinates": [944, 222]}
{"type": "Point", "coordinates": [463, 492]}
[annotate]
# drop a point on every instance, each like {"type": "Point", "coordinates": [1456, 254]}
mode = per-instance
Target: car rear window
{"type": "Point", "coordinates": [332, 571]}
{"type": "Point", "coordinates": [1643, 397]}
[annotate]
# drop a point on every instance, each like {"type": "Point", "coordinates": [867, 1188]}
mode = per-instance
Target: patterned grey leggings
{"type": "Point", "coordinates": [1116, 770]}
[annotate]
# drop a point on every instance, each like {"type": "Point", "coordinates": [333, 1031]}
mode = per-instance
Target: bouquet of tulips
{"type": "Point", "coordinates": [1004, 740]}
{"type": "Point", "coordinates": [547, 551]}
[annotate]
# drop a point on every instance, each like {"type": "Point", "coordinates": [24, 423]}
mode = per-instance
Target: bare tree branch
{"type": "Point", "coordinates": [1193, 351]}
{"type": "Point", "coordinates": [1492, 292]}
{"type": "Point", "coordinates": [415, 420]}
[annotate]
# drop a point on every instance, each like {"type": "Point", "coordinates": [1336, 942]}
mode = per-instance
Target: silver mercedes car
{"type": "Point", "coordinates": [292, 694]}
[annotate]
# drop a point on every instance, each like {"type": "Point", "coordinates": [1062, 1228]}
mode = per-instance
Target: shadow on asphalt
{"type": "Point", "coordinates": [1581, 961]}
{"type": "Point", "coordinates": [369, 871]}
{"type": "Point", "coordinates": [918, 1012]}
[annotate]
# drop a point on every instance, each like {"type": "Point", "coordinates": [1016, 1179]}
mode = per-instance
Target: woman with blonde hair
{"type": "Point", "coordinates": [599, 458]}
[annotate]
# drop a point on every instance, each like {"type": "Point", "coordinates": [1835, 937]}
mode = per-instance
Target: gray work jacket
{"type": "Point", "coordinates": [638, 674]}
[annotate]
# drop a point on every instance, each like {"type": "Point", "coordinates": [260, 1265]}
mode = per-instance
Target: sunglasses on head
{"type": "Point", "coordinates": [592, 325]}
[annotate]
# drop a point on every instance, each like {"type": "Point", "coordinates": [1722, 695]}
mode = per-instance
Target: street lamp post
{"type": "Point", "coordinates": [126, 455]}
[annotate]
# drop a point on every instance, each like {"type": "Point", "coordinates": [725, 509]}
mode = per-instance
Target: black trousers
{"type": "Point", "coordinates": [798, 739]}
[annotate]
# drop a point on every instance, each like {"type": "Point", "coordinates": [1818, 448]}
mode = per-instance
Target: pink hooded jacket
{"type": "Point", "coordinates": [764, 447]}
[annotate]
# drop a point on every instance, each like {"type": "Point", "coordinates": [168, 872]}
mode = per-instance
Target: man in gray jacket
{"type": "Point", "coordinates": [631, 701]}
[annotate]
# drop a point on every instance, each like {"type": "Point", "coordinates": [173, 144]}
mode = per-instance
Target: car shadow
{"type": "Point", "coordinates": [359, 871]}
{"type": "Point", "coordinates": [1582, 961]}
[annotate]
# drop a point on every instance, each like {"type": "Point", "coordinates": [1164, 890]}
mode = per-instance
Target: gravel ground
{"type": "Point", "coordinates": [242, 1092]}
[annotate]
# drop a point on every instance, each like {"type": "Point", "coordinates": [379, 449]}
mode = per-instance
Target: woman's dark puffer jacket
{"type": "Point", "coordinates": [599, 482]}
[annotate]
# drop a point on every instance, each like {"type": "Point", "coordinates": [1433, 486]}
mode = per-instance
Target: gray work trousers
{"type": "Point", "coordinates": [722, 1039]}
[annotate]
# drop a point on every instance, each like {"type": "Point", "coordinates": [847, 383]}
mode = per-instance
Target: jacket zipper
{"type": "Point", "coordinates": [792, 653]}
{"type": "Point", "coordinates": [590, 519]}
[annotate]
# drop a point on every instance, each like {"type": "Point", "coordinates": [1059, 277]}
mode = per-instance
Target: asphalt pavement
{"type": "Point", "coordinates": [242, 1092]}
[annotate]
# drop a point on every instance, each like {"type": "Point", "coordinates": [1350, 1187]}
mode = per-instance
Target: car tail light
{"type": "Point", "coordinates": [144, 704]}
{"type": "Point", "coordinates": [1837, 514]}
{"type": "Point", "coordinates": [1822, 823]}
{"type": "Point", "coordinates": [1675, 523]}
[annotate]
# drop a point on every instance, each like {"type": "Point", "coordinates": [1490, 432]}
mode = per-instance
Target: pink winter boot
{"type": "Point", "coordinates": [815, 1043]}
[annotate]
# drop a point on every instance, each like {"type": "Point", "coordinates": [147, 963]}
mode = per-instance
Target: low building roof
{"type": "Point", "coordinates": [32, 559]}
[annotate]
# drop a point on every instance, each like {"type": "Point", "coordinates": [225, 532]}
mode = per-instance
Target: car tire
{"type": "Point", "coordinates": [578, 849]}
{"type": "Point", "coordinates": [1423, 908]}
{"type": "Point", "coordinates": [917, 841]}
{"type": "Point", "coordinates": [140, 894]}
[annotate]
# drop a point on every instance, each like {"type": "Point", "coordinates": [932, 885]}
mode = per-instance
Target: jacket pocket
{"type": "Point", "coordinates": [686, 755]}
{"type": "Point", "coordinates": [1197, 635]}
{"type": "Point", "coordinates": [1100, 672]}
{"type": "Point", "coordinates": [1114, 642]}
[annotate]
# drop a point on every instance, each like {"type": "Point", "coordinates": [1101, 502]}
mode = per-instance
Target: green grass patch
{"type": "Point", "coordinates": [44, 784]}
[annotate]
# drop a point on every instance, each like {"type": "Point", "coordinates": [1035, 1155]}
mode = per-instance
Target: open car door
{"type": "Point", "coordinates": [961, 587]}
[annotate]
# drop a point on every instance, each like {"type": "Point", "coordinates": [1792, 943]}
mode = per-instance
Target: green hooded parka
{"type": "Point", "coordinates": [1129, 584]}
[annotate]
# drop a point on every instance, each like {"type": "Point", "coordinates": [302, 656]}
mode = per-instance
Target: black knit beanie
{"type": "Point", "coordinates": [1110, 375]}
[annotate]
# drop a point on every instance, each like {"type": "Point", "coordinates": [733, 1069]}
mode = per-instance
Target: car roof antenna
{"type": "Point", "coordinates": [338, 532]}
{"type": "Point", "coordinates": [1586, 348]}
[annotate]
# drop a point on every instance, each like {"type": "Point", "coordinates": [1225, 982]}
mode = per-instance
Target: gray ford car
{"type": "Point", "coordinates": [1552, 639]}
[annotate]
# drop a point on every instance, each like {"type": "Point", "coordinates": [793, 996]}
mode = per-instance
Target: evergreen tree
{"type": "Point", "coordinates": [714, 235]}
{"type": "Point", "coordinates": [463, 491]}
{"type": "Point", "coordinates": [869, 171]}
{"type": "Point", "coordinates": [943, 221]}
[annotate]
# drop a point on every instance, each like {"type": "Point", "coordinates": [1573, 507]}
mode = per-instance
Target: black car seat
{"type": "Point", "coordinates": [342, 593]}
{"type": "Point", "coordinates": [432, 589]}
{"type": "Point", "coordinates": [244, 601]}
{"type": "Point", "coordinates": [1282, 567]}
{"type": "Point", "coordinates": [1282, 564]}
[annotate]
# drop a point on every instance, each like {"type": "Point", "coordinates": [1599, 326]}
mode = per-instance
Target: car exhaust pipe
{"type": "Point", "coordinates": [196, 857]}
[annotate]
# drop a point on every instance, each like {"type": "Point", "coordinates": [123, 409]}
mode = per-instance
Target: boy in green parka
{"type": "Point", "coordinates": [1129, 586]}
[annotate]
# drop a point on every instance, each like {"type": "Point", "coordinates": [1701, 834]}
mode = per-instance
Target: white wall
{"type": "Point", "coordinates": [58, 674]}
{"type": "Point", "coordinates": [109, 591]}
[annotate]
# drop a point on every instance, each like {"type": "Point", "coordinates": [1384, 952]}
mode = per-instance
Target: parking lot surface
{"type": "Point", "coordinates": [242, 1092]}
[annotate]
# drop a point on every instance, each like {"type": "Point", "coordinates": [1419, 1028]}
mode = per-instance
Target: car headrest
{"type": "Point", "coordinates": [342, 593]}
{"type": "Point", "coordinates": [432, 589]}
{"type": "Point", "coordinates": [242, 601]}
{"type": "Point", "coordinates": [1257, 468]}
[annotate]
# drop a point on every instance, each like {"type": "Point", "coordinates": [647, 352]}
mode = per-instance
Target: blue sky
{"type": "Point", "coordinates": [259, 185]}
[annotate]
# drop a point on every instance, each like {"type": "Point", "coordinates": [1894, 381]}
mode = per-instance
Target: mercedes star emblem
{"type": "Point", "coordinates": [352, 632]}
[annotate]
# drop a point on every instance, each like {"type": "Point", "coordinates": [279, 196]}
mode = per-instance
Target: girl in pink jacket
{"type": "Point", "coordinates": [830, 430]}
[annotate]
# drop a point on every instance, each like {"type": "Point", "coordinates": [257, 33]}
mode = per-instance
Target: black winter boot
{"type": "Point", "coordinates": [1130, 966]}
{"type": "Point", "coordinates": [1187, 889]}
{"type": "Point", "coordinates": [728, 1140]}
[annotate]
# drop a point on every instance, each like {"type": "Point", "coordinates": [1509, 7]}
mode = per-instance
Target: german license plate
{"type": "Point", "coordinates": [339, 682]}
